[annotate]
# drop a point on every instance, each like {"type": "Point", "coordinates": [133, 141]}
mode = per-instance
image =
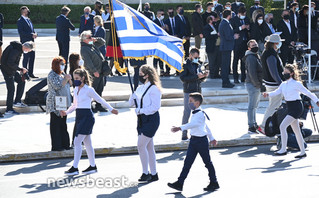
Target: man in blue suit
{"type": "Point", "coordinates": [183, 28]}
{"type": "Point", "coordinates": [170, 22]}
{"type": "Point", "coordinates": [227, 43]}
{"type": "Point", "coordinates": [63, 27]}
{"type": "Point", "coordinates": [27, 33]}
{"type": "Point", "coordinates": [86, 20]}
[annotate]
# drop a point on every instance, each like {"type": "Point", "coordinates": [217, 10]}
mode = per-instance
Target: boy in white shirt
{"type": "Point", "coordinates": [198, 144]}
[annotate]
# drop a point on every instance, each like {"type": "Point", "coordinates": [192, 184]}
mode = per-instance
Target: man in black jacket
{"type": "Point", "coordinates": [9, 67]}
{"type": "Point", "coordinates": [236, 5]}
{"type": "Point", "coordinates": [160, 22]}
{"type": "Point", "coordinates": [183, 28]}
{"type": "Point", "coordinates": [198, 25]}
{"type": "Point", "coordinates": [241, 26]}
{"type": "Point", "coordinates": [208, 12]}
{"type": "Point", "coordinates": [191, 77]}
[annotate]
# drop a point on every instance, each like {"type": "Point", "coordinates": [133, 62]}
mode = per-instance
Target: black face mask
{"type": "Point", "coordinates": [141, 79]}
{"type": "Point", "coordinates": [147, 8]}
{"type": "Point", "coordinates": [171, 14]}
{"type": "Point", "coordinates": [286, 17]}
{"type": "Point", "coordinates": [256, 4]}
{"type": "Point", "coordinates": [28, 14]}
{"type": "Point", "coordinates": [181, 12]}
{"type": "Point", "coordinates": [286, 76]}
{"type": "Point", "coordinates": [254, 49]}
{"type": "Point", "coordinates": [271, 20]}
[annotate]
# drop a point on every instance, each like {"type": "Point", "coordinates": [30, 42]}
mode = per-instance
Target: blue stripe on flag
{"type": "Point", "coordinates": [121, 23]}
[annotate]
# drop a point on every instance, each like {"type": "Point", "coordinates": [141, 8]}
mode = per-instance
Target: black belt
{"type": "Point", "coordinates": [197, 137]}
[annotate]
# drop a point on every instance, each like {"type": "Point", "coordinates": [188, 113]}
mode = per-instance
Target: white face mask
{"type": "Point", "coordinates": [81, 62]}
{"type": "Point", "coordinates": [201, 10]}
{"type": "Point", "coordinates": [242, 17]}
{"type": "Point", "coordinates": [260, 21]}
{"type": "Point", "coordinates": [228, 8]}
{"type": "Point", "coordinates": [279, 45]}
{"type": "Point", "coordinates": [312, 9]}
{"type": "Point", "coordinates": [215, 2]}
{"type": "Point", "coordinates": [62, 67]}
{"type": "Point", "coordinates": [25, 52]}
{"type": "Point", "coordinates": [90, 42]}
{"type": "Point", "coordinates": [297, 9]}
{"type": "Point", "coordinates": [161, 17]}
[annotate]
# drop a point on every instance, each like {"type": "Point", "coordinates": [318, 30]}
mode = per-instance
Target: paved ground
{"type": "Point", "coordinates": [248, 172]}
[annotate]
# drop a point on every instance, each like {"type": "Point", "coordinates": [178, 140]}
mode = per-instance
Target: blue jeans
{"type": "Point", "coordinates": [253, 101]}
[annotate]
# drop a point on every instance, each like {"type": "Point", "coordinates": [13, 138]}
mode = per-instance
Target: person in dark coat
{"type": "Point", "coordinates": [208, 12]}
{"type": "Point", "coordinates": [170, 22]}
{"type": "Point", "coordinates": [1, 26]}
{"type": "Point", "coordinates": [159, 20]}
{"type": "Point", "coordinates": [27, 33]}
{"type": "Point", "coordinates": [236, 5]}
{"type": "Point", "coordinates": [294, 15]}
{"type": "Point", "coordinates": [256, 31]}
{"type": "Point", "coordinates": [63, 27]}
{"type": "Point", "coordinates": [241, 26]}
{"type": "Point", "coordinates": [303, 24]}
{"type": "Point", "coordinates": [13, 73]}
{"type": "Point", "coordinates": [183, 28]}
{"type": "Point", "coordinates": [99, 31]}
{"type": "Point", "coordinates": [257, 6]}
{"type": "Point", "coordinates": [147, 11]}
{"type": "Point", "coordinates": [198, 25]}
{"type": "Point", "coordinates": [86, 20]}
{"type": "Point", "coordinates": [217, 7]}
{"type": "Point", "coordinates": [268, 27]}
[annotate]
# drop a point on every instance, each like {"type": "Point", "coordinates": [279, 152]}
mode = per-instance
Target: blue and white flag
{"type": "Point", "coordinates": [140, 37]}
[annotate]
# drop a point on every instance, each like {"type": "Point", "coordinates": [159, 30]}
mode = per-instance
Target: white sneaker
{"type": "Point", "coordinates": [20, 105]}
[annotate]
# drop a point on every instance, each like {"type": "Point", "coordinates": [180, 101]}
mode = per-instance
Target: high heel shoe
{"type": "Point", "coordinates": [301, 156]}
{"type": "Point", "coordinates": [279, 154]}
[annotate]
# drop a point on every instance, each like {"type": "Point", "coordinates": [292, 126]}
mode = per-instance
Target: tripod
{"type": "Point", "coordinates": [313, 117]}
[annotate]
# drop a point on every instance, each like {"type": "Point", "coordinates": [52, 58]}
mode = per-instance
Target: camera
{"type": "Point", "coordinates": [300, 50]}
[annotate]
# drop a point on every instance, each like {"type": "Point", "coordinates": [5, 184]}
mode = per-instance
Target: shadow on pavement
{"type": "Point", "coordinates": [248, 151]}
{"type": "Point", "coordinates": [125, 192]}
{"type": "Point", "coordinates": [177, 155]}
{"type": "Point", "coordinates": [180, 195]}
{"type": "Point", "coordinates": [280, 165]}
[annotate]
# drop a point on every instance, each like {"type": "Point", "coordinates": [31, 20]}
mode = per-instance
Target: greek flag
{"type": "Point", "coordinates": [140, 37]}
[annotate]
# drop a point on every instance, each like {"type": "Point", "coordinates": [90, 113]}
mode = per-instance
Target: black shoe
{"type": "Point", "coordinates": [101, 109]}
{"type": "Point", "coordinates": [90, 170]}
{"type": "Point", "coordinates": [1, 115]}
{"type": "Point", "coordinates": [32, 76]}
{"type": "Point", "coordinates": [252, 130]}
{"type": "Point", "coordinates": [145, 178]}
{"type": "Point", "coordinates": [212, 186]}
{"type": "Point", "coordinates": [301, 156]}
{"type": "Point", "coordinates": [279, 154]}
{"type": "Point", "coordinates": [236, 82]}
{"type": "Point", "coordinates": [230, 85]}
{"type": "Point", "coordinates": [176, 185]}
{"type": "Point", "coordinates": [57, 149]}
{"type": "Point", "coordinates": [154, 177]}
{"type": "Point", "coordinates": [68, 148]}
{"type": "Point", "coordinates": [72, 171]}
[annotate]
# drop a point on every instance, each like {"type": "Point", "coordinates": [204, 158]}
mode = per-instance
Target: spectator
{"type": "Point", "coordinates": [218, 60]}
{"type": "Point", "coordinates": [208, 12]}
{"type": "Point", "coordinates": [294, 14]}
{"type": "Point", "coordinates": [289, 4]}
{"type": "Point", "coordinates": [241, 26]}
{"type": "Point", "coordinates": [75, 63]}
{"type": "Point", "coordinates": [107, 23]}
{"type": "Point", "coordinates": [272, 74]}
{"type": "Point", "coordinates": [198, 25]}
{"type": "Point", "coordinates": [236, 5]}
{"type": "Point", "coordinates": [228, 7]}
{"type": "Point", "coordinates": [268, 28]}
{"type": "Point", "coordinates": [227, 42]}
{"type": "Point", "coordinates": [27, 33]}
{"type": "Point", "coordinates": [257, 6]}
{"type": "Point", "coordinates": [1, 26]}
{"type": "Point", "coordinates": [183, 28]}
{"type": "Point", "coordinates": [211, 36]}
{"type": "Point", "coordinates": [192, 80]}
{"type": "Point", "coordinates": [99, 31]}
{"type": "Point", "coordinates": [256, 32]}
{"type": "Point", "coordinates": [86, 20]}
{"type": "Point", "coordinates": [63, 27]}
{"type": "Point", "coordinates": [314, 28]}
{"type": "Point", "coordinates": [93, 60]}
{"type": "Point", "coordinates": [58, 85]}
{"type": "Point", "coordinates": [170, 22]}
{"type": "Point", "coordinates": [303, 24]}
{"type": "Point", "coordinates": [147, 11]}
{"type": "Point", "coordinates": [9, 67]}
{"type": "Point", "coordinates": [217, 7]}
{"type": "Point", "coordinates": [253, 83]}
{"type": "Point", "coordinates": [159, 20]}
{"type": "Point", "coordinates": [136, 64]}
{"type": "Point", "coordinates": [98, 9]}
{"type": "Point", "coordinates": [289, 34]}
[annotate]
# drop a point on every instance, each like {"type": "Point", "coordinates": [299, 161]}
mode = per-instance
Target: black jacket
{"type": "Point", "coordinates": [236, 5]}
{"type": "Point", "coordinates": [197, 23]}
{"type": "Point", "coordinates": [266, 29]}
{"type": "Point", "coordinates": [11, 58]}
{"type": "Point", "coordinates": [236, 24]}
{"type": "Point", "coordinates": [183, 29]}
{"type": "Point", "coordinates": [205, 16]}
{"type": "Point", "coordinates": [210, 39]}
{"type": "Point", "coordinates": [254, 69]}
{"type": "Point", "coordinates": [267, 77]}
{"type": "Point", "coordinates": [289, 37]}
{"type": "Point", "coordinates": [63, 27]}
{"type": "Point", "coordinates": [189, 77]}
{"type": "Point", "coordinates": [256, 32]}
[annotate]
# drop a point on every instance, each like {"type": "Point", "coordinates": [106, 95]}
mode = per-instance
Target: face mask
{"type": "Point", "coordinates": [215, 2]}
{"type": "Point", "coordinates": [312, 9]}
{"type": "Point", "coordinates": [242, 17]}
{"type": "Point", "coordinates": [141, 79]}
{"type": "Point", "coordinates": [254, 49]}
{"type": "Point", "coordinates": [90, 43]}
{"type": "Point", "coordinates": [297, 9]}
{"type": "Point", "coordinates": [147, 8]}
{"type": "Point", "coordinates": [256, 4]}
{"type": "Point", "coordinates": [81, 62]}
{"type": "Point", "coordinates": [161, 17]}
{"type": "Point", "coordinates": [286, 17]}
{"type": "Point", "coordinates": [201, 10]}
{"type": "Point", "coordinates": [181, 12]}
{"type": "Point", "coordinates": [171, 14]}
{"type": "Point", "coordinates": [62, 67]}
{"type": "Point", "coordinates": [86, 13]}
{"type": "Point", "coordinates": [238, 3]}
{"type": "Point", "coordinates": [227, 8]}
{"type": "Point", "coordinates": [25, 52]}
{"type": "Point", "coordinates": [192, 106]}
{"type": "Point", "coordinates": [279, 45]}
{"type": "Point", "coordinates": [195, 60]}
{"type": "Point", "coordinates": [286, 76]}
{"type": "Point", "coordinates": [260, 21]}
{"type": "Point", "coordinates": [77, 83]}
{"type": "Point", "coordinates": [271, 20]}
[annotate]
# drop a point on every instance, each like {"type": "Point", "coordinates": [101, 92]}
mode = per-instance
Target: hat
{"type": "Point", "coordinates": [274, 38]}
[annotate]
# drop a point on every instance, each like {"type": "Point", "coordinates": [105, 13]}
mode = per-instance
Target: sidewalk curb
{"type": "Point", "coordinates": [133, 150]}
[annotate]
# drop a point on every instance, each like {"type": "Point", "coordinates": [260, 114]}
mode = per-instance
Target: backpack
{"type": "Point", "coordinates": [36, 96]}
{"type": "Point", "coordinates": [274, 121]}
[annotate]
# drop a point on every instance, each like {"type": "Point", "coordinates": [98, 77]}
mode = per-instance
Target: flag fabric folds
{"type": "Point", "coordinates": [140, 37]}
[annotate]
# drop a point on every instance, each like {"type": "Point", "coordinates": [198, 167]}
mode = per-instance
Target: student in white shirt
{"type": "Point", "coordinates": [291, 90]}
{"type": "Point", "coordinates": [83, 95]}
{"type": "Point", "coordinates": [198, 144]}
{"type": "Point", "coordinates": [148, 100]}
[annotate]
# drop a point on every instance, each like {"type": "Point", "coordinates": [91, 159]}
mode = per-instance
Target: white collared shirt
{"type": "Point", "coordinates": [27, 19]}
{"type": "Point", "coordinates": [96, 29]}
{"type": "Point", "coordinates": [83, 99]}
{"type": "Point", "coordinates": [151, 100]}
{"type": "Point", "coordinates": [288, 25]}
{"type": "Point", "coordinates": [198, 126]}
{"type": "Point", "coordinates": [291, 89]}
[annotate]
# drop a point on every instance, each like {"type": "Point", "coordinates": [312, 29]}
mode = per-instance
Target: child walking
{"type": "Point", "coordinates": [83, 95]}
{"type": "Point", "coordinates": [198, 144]}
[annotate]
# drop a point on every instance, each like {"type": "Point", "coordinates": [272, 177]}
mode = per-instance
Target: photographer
{"type": "Point", "coordinates": [191, 77]}
{"type": "Point", "coordinates": [13, 73]}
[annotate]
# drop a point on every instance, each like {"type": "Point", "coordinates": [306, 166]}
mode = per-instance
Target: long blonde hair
{"type": "Point", "coordinates": [152, 75]}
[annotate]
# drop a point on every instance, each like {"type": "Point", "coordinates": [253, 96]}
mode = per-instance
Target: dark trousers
{"type": "Point", "coordinates": [286, 55]}
{"type": "Point", "coordinates": [135, 77]}
{"type": "Point", "coordinates": [212, 61]}
{"type": "Point", "coordinates": [197, 145]}
{"type": "Point", "coordinates": [59, 132]}
{"type": "Point", "coordinates": [186, 48]}
{"type": "Point", "coordinates": [239, 53]}
{"type": "Point", "coordinates": [98, 85]}
{"type": "Point", "coordinates": [28, 61]}
{"type": "Point", "coordinates": [64, 48]}
{"type": "Point", "coordinates": [226, 56]}
{"type": "Point", "coordinates": [10, 89]}
{"type": "Point", "coordinates": [156, 62]}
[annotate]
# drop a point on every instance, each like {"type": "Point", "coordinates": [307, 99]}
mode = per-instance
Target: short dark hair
{"type": "Point", "coordinates": [178, 6]}
{"type": "Point", "coordinates": [209, 4]}
{"type": "Point", "coordinates": [160, 10]}
{"type": "Point", "coordinates": [197, 97]}
{"type": "Point", "coordinates": [170, 8]}
{"type": "Point", "coordinates": [209, 18]}
{"type": "Point", "coordinates": [194, 50]}
{"type": "Point", "coordinates": [65, 10]}
{"type": "Point", "coordinates": [197, 6]}
{"type": "Point", "coordinates": [294, 4]}
{"type": "Point", "coordinates": [242, 10]}
{"type": "Point", "coordinates": [226, 13]}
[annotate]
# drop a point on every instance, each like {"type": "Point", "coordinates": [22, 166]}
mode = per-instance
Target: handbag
{"type": "Point", "coordinates": [106, 69]}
